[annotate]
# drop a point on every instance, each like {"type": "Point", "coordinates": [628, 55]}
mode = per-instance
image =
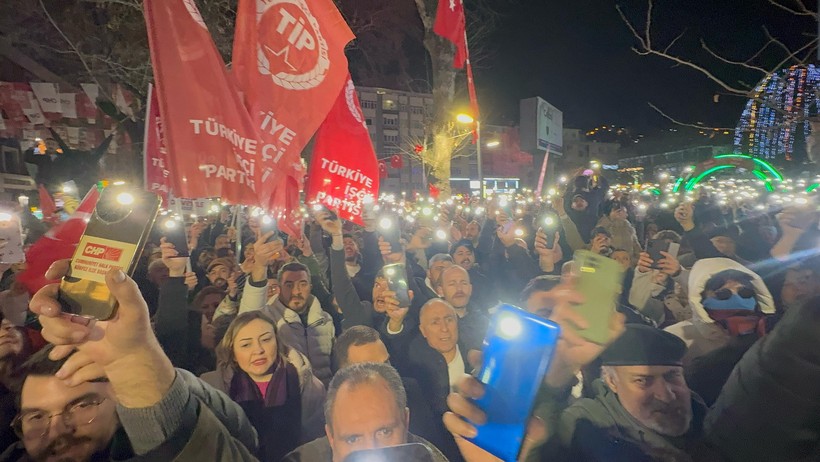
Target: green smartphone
{"type": "Point", "coordinates": [600, 279]}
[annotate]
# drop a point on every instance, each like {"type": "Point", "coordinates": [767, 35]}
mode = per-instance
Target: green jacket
{"type": "Point", "coordinates": [600, 429]}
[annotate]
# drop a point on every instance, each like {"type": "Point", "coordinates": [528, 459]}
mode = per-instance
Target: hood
{"type": "Point", "coordinates": [708, 267]}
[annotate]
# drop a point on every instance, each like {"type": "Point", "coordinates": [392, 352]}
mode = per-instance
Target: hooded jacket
{"type": "Point", "coordinates": [701, 333]}
{"type": "Point", "coordinates": [314, 340]}
{"type": "Point", "coordinates": [623, 235]}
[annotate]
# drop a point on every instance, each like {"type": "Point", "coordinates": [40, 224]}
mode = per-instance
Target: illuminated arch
{"type": "Point", "coordinates": [761, 169]}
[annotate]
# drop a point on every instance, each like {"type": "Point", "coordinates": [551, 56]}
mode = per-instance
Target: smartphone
{"type": "Point", "coordinates": [331, 214]}
{"type": "Point", "coordinates": [390, 230]}
{"type": "Point", "coordinates": [549, 224]}
{"type": "Point", "coordinates": [412, 452]}
{"type": "Point", "coordinates": [173, 230]}
{"type": "Point", "coordinates": [396, 277]}
{"type": "Point", "coordinates": [267, 225]}
{"type": "Point", "coordinates": [114, 237]}
{"type": "Point", "coordinates": [600, 279]}
{"type": "Point", "coordinates": [517, 352]}
{"type": "Point", "coordinates": [11, 239]}
{"type": "Point", "coordinates": [655, 247]}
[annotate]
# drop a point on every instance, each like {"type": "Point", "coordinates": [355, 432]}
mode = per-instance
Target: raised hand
{"type": "Point", "coordinates": [390, 255]}
{"type": "Point", "coordinates": [669, 265]}
{"type": "Point", "coordinates": [326, 221]}
{"type": "Point", "coordinates": [124, 347]}
{"type": "Point", "coordinates": [685, 215]}
{"type": "Point", "coordinates": [394, 312]}
{"type": "Point", "coordinates": [176, 265]}
{"type": "Point", "coordinates": [645, 262]}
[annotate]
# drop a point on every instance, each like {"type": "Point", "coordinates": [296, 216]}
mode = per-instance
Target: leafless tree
{"type": "Point", "coordinates": [772, 50]}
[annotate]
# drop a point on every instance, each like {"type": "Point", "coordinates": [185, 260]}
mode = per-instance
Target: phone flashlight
{"type": "Point", "coordinates": [317, 207]}
{"type": "Point", "coordinates": [390, 271]}
{"type": "Point", "coordinates": [385, 223]}
{"type": "Point", "coordinates": [509, 327]}
{"type": "Point", "coordinates": [441, 235]}
{"type": "Point", "coordinates": [171, 224]}
{"type": "Point", "coordinates": [519, 232]}
{"type": "Point", "coordinates": [549, 221]}
{"type": "Point", "coordinates": [266, 220]}
{"type": "Point", "coordinates": [427, 211]}
{"type": "Point", "coordinates": [125, 198]}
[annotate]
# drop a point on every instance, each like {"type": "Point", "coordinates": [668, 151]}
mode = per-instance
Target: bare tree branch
{"type": "Point", "coordinates": [800, 11]}
{"type": "Point", "coordinates": [684, 124]}
{"type": "Point", "coordinates": [131, 4]}
{"type": "Point", "coordinates": [744, 64]}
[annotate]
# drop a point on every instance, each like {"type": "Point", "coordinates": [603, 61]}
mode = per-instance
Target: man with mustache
{"type": "Point", "coordinates": [455, 287]}
{"type": "Point", "coordinates": [641, 407]}
{"type": "Point", "coordinates": [464, 255]}
{"type": "Point", "coordinates": [300, 320]}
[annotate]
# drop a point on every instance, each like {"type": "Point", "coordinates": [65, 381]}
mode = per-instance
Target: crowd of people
{"type": "Point", "coordinates": [261, 346]}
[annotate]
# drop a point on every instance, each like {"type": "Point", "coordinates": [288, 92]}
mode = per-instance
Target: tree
{"type": "Point", "coordinates": [773, 55]}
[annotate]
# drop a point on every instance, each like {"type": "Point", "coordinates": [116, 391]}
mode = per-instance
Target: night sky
{"type": "Point", "coordinates": [577, 55]}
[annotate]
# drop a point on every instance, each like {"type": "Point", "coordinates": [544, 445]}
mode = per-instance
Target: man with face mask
{"type": "Point", "coordinates": [300, 320]}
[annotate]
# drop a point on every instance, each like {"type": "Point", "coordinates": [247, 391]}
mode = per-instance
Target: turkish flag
{"type": "Point", "coordinates": [289, 62]}
{"type": "Point", "coordinates": [212, 141]}
{"type": "Point", "coordinates": [57, 244]}
{"type": "Point", "coordinates": [46, 204]}
{"type": "Point", "coordinates": [344, 169]}
{"type": "Point", "coordinates": [450, 24]}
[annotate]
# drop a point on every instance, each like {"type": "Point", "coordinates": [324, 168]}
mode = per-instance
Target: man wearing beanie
{"type": "Point", "coordinates": [642, 408]}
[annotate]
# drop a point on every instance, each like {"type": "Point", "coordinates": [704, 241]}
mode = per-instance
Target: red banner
{"type": "Point", "coordinates": [289, 61]}
{"type": "Point", "coordinates": [344, 170]}
{"type": "Point", "coordinates": [155, 153]}
{"type": "Point", "coordinates": [213, 145]}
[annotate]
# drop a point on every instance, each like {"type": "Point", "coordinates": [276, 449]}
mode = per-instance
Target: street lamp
{"type": "Point", "coordinates": [468, 119]}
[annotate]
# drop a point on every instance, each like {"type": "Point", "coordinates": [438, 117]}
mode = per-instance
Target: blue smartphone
{"type": "Point", "coordinates": [518, 350]}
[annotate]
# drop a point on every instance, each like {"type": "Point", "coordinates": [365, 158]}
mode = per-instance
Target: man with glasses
{"type": "Point", "coordinates": [145, 409]}
{"type": "Point", "coordinates": [57, 422]}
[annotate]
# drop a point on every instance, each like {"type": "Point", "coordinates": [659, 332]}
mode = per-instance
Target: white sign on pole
{"type": "Point", "coordinates": [542, 127]}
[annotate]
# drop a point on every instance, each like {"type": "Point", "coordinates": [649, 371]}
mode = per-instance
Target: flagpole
{"type": "Point", "coordinates": [145, 137]}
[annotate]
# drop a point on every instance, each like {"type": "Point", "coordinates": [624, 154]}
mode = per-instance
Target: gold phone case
{"type": "Point", "coordinates": [114, 238]}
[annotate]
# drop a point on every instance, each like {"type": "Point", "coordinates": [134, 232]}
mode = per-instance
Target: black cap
{"type": "Point", "coordinates": [642, 345]}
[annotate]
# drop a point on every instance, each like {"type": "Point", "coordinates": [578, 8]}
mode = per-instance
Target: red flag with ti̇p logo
{"type": "Point", "coordinates": [344, 170]}
{"type": "Point", "coordinates": [213, 146]}
{"type": "Point", "coordinates": [289, 61]}
{"type": "Point", "coordinates": [155, 152]}
{"type": "Point", "coordinates": [450, 24]}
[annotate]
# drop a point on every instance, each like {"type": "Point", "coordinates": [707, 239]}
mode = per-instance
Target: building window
{"type": "Point", "coordinates": [391, 138]}
{"type": "Point", "coordinates": [367, 104]}
{"type": "Point", "coordinates": [391, 121]}
{"type": "Point", "coordinates": [369, 122]}
{"type": "Point", "coordinates": [416, 110]}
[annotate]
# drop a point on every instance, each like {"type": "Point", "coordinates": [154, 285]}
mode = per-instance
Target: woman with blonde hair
{"type": "Point", "coordinates": [274, 384]}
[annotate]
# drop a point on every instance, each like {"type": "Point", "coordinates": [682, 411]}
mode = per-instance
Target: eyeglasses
{"type": "Point", "coordinates": [726, 294]}
{"type": "Point", "coordinates": [36, 424]}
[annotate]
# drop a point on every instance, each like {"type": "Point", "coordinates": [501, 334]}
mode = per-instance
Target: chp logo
{"type": "Point", "coordinates": [293, 52]}
{"type": "Point", "coordinates": [352, 103]}
{"type": "Point", "coordinates": [190, 5]}
{"type": "Point", "coordinates": [102, 252]}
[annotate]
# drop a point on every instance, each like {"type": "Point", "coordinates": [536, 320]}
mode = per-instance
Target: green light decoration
{"type": "Point", "coordinates": [760, 162]}
{"type": "Point", "coordinates": [763, 171]}
{"type": "Point", "coordinates": [812, 187]}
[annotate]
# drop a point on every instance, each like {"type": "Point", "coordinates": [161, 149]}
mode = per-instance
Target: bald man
{"type": "Point", "coordinates": [454, 286]}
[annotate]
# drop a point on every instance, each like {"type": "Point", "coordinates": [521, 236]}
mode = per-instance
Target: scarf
{"type": "Point", "coordinates": [244, 389]}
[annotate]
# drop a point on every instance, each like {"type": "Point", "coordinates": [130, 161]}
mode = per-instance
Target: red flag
{"type": "Point", "coordinates": [289, 61]}
{"type": "Point", "coordinates": [155, 152]}
{"type": "Point", "coordinates": [47, 204]}
{"type": "Point", "coordinates": [344, 170]}
{"type": "Point", "coordinates": [213, 144]}
{"type": "Point", "coordinates": [57, 244]}
{"type": "Point", "coordinates": [450, 24]}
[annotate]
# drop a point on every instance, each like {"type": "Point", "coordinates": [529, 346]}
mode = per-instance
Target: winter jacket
{"type": "Point", "coordinates": [192, 422]}
{"type": "Point", "coordinates": [600, 429]}
{"type": "Point", "coordinates": [623, 236]}
{"type": "Point", "coordinates": [648, 297]}
{"type": "Point", "coordinates": [312, 390]}
{"type": "Point", "coordinates": [769, 407]}
{"type": "Point", "coordinates": [178, 328]}
{"type": "Point", "coordinates": [314, 340]}
{"type": "Point", "coordinates": [320, 451]}
{"type": "Point", "coordinates": [702, 334]}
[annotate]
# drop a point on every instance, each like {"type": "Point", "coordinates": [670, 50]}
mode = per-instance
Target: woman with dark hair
{"type": "Point", "coordinates": [274, 384]}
